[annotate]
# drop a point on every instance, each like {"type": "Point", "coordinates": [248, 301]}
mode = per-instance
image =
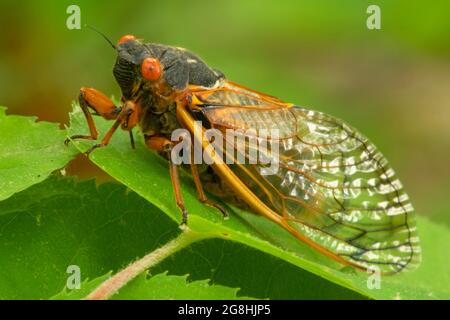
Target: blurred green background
{"type": "Point", "coordinates": [393, 84]}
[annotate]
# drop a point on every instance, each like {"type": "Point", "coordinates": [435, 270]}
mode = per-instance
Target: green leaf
{"type": "Point", "coordinates": [29, 152]}
{"type": "Point", "coordinates": [159, 287]}
{"type": "Point", "coordinates": [57, 223]}
{"type": "Point", "coordinates": [258, 274]}
{"type": "Point", "coordinates": [147, 174]}
{"type": "Point", "coordinates": [162, 286]}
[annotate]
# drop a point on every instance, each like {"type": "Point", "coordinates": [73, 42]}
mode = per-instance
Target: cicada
{"type": "Point", "coordinates": [333, 189]}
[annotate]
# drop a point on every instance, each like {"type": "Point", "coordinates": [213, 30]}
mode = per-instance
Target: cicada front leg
{"type": "Point", "coordinates": [128, 118]}
{"type": "Point", "coordinates": [91, 98]}
{"type": "Point", "coordinates": [106, 139]}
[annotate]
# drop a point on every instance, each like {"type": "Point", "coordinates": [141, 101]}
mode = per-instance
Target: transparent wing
{"type": "Point", "coordinates": [332, 184]}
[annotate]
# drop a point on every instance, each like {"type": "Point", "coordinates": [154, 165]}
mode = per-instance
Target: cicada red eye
{"type": "Point", "coordinates": [125, 38]}
{"type": "Point", "coordinates": [151, 69]}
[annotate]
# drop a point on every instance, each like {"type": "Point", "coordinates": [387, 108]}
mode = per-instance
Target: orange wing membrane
{"type": "Point", "coordinates": [332, 186]}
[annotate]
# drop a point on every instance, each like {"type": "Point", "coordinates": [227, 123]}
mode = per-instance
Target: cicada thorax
{"type": "Point", "coordinates": [158, 117]}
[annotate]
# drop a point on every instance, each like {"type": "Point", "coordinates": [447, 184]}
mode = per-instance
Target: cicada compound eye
{"type": "Point", "coordinates": [151, 69]}
{"type": "Point", "coordinates": [125, 38]}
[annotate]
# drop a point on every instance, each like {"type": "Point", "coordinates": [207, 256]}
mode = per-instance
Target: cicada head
{"type": "Point", "coordinates": [130, 53]}
{"type": "Point", "coordinates": [154, 67]}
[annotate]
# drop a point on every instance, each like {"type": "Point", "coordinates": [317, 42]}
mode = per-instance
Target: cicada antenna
{"type": "Point", "coordinates": [103, 35]}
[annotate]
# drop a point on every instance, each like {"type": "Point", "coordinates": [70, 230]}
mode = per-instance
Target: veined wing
{"type": "Point", "coordinates": [332, 185]}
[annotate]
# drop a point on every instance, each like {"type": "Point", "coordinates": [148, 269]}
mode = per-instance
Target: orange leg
{"type": "Point", "coordinates": [101, 104]}
{"type": "Point", "coordinates": [164, 145]}
{"type": "Point", "coordinates": [127, 113]}
{"type": "Point", "coordinates": [173, 168]}
{"type": "Point", "coordinates": [107, 137]}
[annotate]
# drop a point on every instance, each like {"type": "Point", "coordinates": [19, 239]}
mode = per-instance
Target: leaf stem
{"type": "Point", "coordinates": [108, 288]}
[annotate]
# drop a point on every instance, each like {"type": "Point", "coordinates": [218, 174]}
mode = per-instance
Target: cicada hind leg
{"type": "Point", "coordinates": [201, 193]}
{"type": "Point", "coordinates": [164, 146]}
